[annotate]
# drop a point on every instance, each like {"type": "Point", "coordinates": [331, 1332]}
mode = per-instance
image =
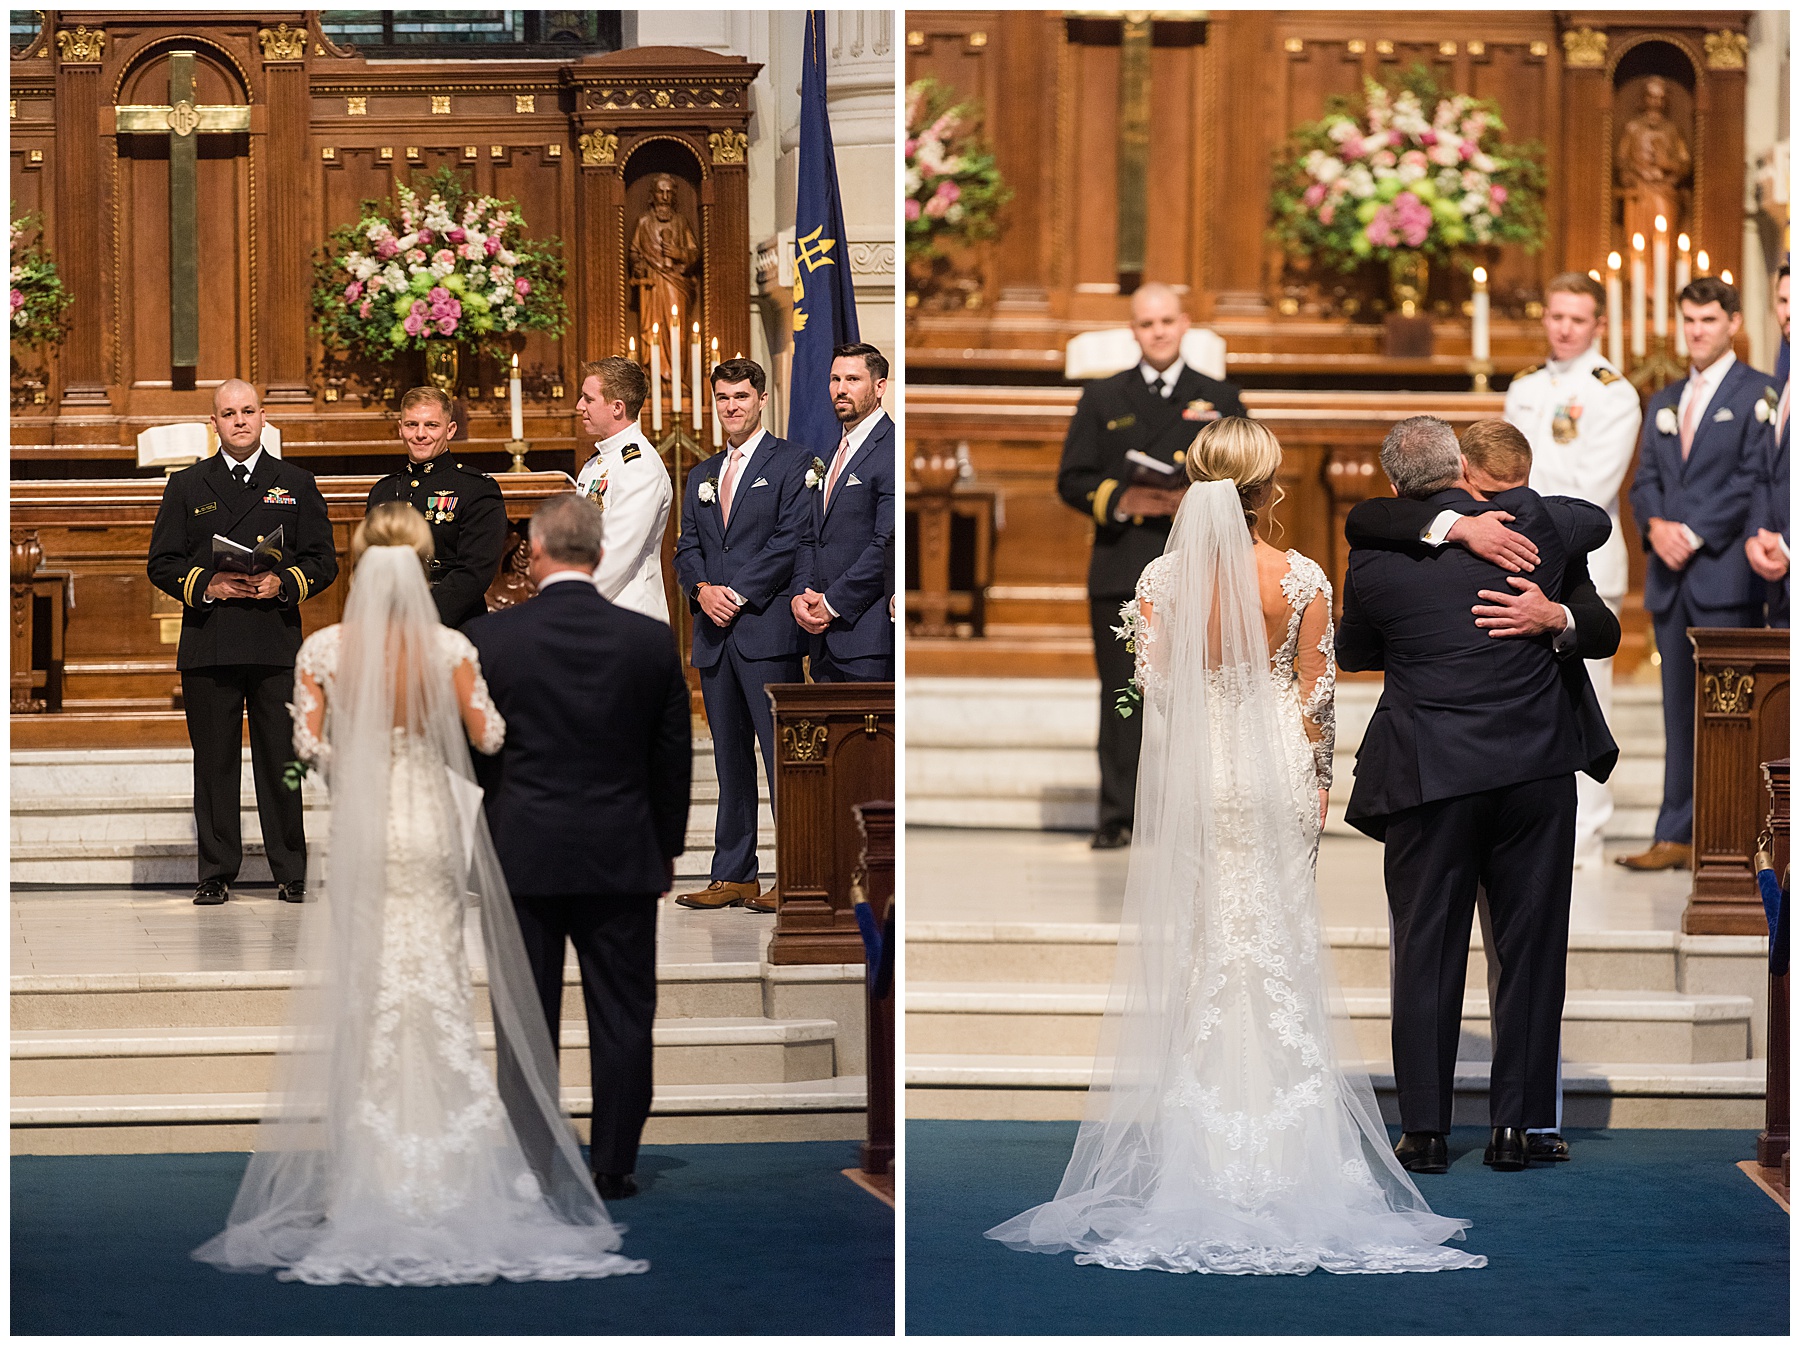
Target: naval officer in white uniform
{"type": "Point", "coordinates": [629, 482]}
{"type": "Point", "coordinates": [1581, 417]}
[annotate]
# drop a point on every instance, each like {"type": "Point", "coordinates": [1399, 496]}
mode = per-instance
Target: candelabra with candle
{"type": "Point", "coordinates": [517, 445]}
{"type": "Point", "coordinates": [1480, 366]}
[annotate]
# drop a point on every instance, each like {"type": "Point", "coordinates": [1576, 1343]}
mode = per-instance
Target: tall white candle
{"type": "Point", "coordinates": [518, 405]}
{"type": "Point", "coordinates": [697, 384]}
{"type": "Point", "coordinates": [1683, 274]}
{"type": "Point", "coordinates": [1702, 265]}
{"type": "Point", "coordinates": [1478, 335]}
{"type": "Point", "coordinates": [656, 377]}
{"type": "Point", "coordinates": [718, 433]}
{"type": "Point", "coordinates": [1660, 277]}
{"type": "Point", "coordinates": [1637, 296]}
{"type": "Point", "coordinates": [1615, 312]}
{"type": "Point", "coordinates": [675, 361]}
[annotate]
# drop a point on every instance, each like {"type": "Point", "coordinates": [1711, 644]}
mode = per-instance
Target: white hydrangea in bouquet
{"type": "Point", "coordinates": [444, 263]}
{"type": "Point", "coordinates": [39, 299]}
{"type": "Point", "coordinates": [1405, 169]}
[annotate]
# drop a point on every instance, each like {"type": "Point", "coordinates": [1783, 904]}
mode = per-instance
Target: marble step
{"type": "Point", "coordinates": [1005, 1086]}
{"type": "Point", "coordinates": [177, 1123]}
{"type": "Point", "coordinates": [230, 1060]}
{"type": "Point", "coordinates": [1052, 1019]}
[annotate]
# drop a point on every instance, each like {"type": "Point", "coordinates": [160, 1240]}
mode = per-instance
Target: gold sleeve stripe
{"type": "Point", "coordinates": [1102, 499]}
{"type": "Point", "coordinates": [299, 579]}
{"type": "Point", "coordinates": [187, 586]}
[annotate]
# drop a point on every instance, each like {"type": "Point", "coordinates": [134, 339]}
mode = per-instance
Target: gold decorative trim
{"type": "Point", "coordinates": [81, 45]}
{"type": "Point", "coordinates": [524, 102]}
{"type": "Point", "coordinates": [805, 741]}
{"type": "Point", "coordinates": [328, 154]}
{"type": "Point", "coordinates": [599, 149]}
{"type": "Point", "coordinates": [13, 109]}
{"type": "Point", "coordinates": [1446, 49]}
{"type": "Point", "coordinates": [1726, 50]}
{"type": "Point", "coordinates": [553, 151]}
{"type": "Point", "coordinates": [1540, 48]}
{"type": "Point", "coordinates": [978, 38]}
{"type": "Point", "coordinates": [187, 586]}
{"type": "Point", "coordinates": [1728, 692]}
{"type": "Point", "coordinates": [1584, 49]}
{"type": "Point", "coordinates": [283, 43]}
{"type": "Point", "coordinates": [346, 86]}
{"type": "Point", "coordinates": [728, 147]}
{"type": "Point", "coordinates": [496, 151]}
{"type": "Point", "coordinates": [387, 153]}
{"type": "Point", "coordinates": [412, 152]}
{"type": "Point", "coordinates": [440, 104]}
{"type": "Point", "coordinates": [1477, 49]}
{"type": "Point", "coordinates": [914, 38]}
{"type": "Point", "coordinates": [872, 724]}
{"type": "Point", "coordinates": [1294, 45]}
{"type": "Point", "coordinates": [470, 152]}
{"type": "Point", "coordinates": [1356, 46]}
{"type": "Point", "coordinates": [357, 106]}
{"type": "Point", "coordinates": [682, 96]}
{"type": "Point", "coordinates": [1384, 46]}
{"type": "Point", "coordinates": [300, 579]}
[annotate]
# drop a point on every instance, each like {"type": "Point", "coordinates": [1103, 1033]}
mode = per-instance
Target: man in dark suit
{"type": "Point", "coordinates": [1467, 773]}
{"type": "Point", "coordinates": [1153, 409]}
{"type": "Point", "coordinates": [1703, 441]}
{"type": "Point", "coordinates": [240, 633]}
{"type": "Point", "coordinates": [1768, 544]}
{"type": "Point", "coordinates": [462, 505]}
{"type": "Point", "coordinates": [743, 515]}
{"type": "Point", "coordinates": [842, 568]}
{"type": "Point", "coordinates": [590, 807]}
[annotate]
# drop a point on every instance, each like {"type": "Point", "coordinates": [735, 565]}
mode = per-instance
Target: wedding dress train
{"type": "Point", "coordinates": [1229, 1128]}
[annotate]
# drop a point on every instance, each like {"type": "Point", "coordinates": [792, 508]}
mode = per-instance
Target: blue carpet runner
{"type": "Point", "coordinates": [744, 1239]}
{"type": "Point", "coordinates": [1644, 1232]}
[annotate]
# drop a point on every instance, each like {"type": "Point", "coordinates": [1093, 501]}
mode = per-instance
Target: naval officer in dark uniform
{"type": "Point", "coordinates": [463, 506]}
{"type": "Point", "coordinates": [240, 633]}
{"type": "Point", "coordinates": [1156, 407]}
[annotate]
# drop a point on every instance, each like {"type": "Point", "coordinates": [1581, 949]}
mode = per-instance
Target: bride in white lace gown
{"type": "Point", "coordinates": [390, 1152]}
{"type": "Point", "coordinates": [1229, 1126]}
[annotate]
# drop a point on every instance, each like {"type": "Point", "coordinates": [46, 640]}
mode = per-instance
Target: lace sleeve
{"type": "Point", "coordinates": [313, 668]}
{"type": "Point", "coordinates": [487, 730]}
{"type": "Point", "coordinates": [1315, 665]}
{"type": "Point", "coordinates": [1138, 630]}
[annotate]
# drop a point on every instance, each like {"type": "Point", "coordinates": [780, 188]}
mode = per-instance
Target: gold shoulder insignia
{"type": "Point", "coordinates": [630, 454]}
{"type": "Point", "coordinates": [1607, 377]}
{"type": "Point", "coordinates": [1527, 373]}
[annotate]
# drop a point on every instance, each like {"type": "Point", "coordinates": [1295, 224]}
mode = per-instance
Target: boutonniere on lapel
{"type": "Point", "coordinates": [1665, 421]}
{"type": "Point", "coordinates": [1766, 406]}
{"type": "Point", "coordinates": [277, 496]}
{"type": "Point", "coordinates": [1724, 414]}
{"type": "Point", "coordinates": [709, 490]}
{"type": "Point", "coordinates": [815, 475]}
{"type": "Point", "coordinates": [1199, 410]}
{"type": "Point", "coordinates": [440, 507]}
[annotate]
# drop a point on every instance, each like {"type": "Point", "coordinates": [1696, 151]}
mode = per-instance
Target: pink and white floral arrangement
{"type": "Point", "coordinates": [954, 190]}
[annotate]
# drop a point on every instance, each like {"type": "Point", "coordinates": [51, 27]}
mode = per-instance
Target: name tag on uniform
{"type": "Point", "coordinates": [1124, 422]}
{"type": "Point", "coordinates": [207, 508]}
{"type": "Point", "coordinates": [277, 496]}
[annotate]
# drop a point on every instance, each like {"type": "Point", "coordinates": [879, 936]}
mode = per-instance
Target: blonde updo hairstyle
{"type": "Point", "coordinates": [395, 524]}
{"type": "Point", "coordinates": [1242, 451]}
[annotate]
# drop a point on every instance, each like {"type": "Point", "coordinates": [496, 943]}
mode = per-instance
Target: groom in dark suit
{"type": "Point", "coordinates": [1467, 773]}
{"type": "Point", "coordinates": [590, 806]}
{"type": "Point", "coordinates": [743, 515]}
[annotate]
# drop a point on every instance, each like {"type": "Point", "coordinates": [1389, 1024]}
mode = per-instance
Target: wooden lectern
{"type": "Point", "coordinates": [834, 749]}
{"type": "Point", "coordinates": [1740, 722]}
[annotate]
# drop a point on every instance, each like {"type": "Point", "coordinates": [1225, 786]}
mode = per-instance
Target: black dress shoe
{"type": "Point", "coordinates": [615, 1186]}
{"type": "Point", "coordinates": [291, 892]}
{"type": "Point", "coordinates": [1423, 1152]}
{"type": "Point", "coordinates": [1112, 837]}
{"type": "Point", "coordinates": [1547, 1147]}
{"type": "Point", "coordinates": [1506, 1152]}
{"type": "Point", "coordinates": [211, 893]}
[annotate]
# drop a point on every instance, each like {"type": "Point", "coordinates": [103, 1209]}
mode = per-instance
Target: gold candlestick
{"type": "Point", "coordinates": [518, 449]}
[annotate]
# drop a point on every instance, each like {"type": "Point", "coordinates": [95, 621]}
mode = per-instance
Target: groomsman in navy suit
{"type": "Point", "coordinates": [843, 572]}
{"type": "Point", "coordinates": [1703, 442]}
{"type": "Point", "coordinates": [1769, 540]}
{"type": "Point", "coordinates": [743, 516]}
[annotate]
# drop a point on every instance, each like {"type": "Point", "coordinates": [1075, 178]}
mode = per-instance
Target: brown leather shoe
{"type": "Point", "coordinates": [1663, 855]}
{"type": "Point", "coordinates": [768, 904]}
{"type": "Point", "coordinates": [719, 894]}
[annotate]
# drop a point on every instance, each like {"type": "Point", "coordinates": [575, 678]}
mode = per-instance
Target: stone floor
{"type": "Point", "coordinates": [954, 874]}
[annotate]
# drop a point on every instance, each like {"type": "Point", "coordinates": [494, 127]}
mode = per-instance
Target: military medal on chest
{"type": "Point", "coordinates": [1565, 422]}
{"type": "Point", "coordinates": [440, 507]}
{"type": "Point", "coordinates": [596, 490]}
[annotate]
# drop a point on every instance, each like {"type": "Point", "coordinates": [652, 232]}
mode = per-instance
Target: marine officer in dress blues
{"type": "Point", "coordinates": [1155, 408]}
{"type": "Point", "coordinates": [463, 506]}
{"type": "Point", "coordinates": [240, 633]}
{"type": "Point", "coordinates": [630, 483]}
{"type": "Point", "coordinates": [1581, 417]}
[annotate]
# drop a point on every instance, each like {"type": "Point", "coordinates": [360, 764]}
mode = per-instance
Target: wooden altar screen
{"type": "Point", "coordinates": [834, 749]}
{"type": "Point", "coordinates": [1740, 721]}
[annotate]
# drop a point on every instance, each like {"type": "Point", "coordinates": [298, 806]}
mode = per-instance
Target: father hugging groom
{"type": "Point", "coordinates": [1467, 769]}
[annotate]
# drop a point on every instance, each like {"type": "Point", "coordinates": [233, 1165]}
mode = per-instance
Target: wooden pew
{"type": "Point", "coordinates": [118, 673]}
{"type": "Point", "coordinates": [1740, 721]}
{"type": "Point", "coordinates": [834, 749]}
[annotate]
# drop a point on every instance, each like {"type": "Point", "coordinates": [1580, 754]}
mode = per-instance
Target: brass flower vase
{"type": "Point", "coordinates": [1406, 331]}
{"type": "Point", "coordinates": [443, 361]}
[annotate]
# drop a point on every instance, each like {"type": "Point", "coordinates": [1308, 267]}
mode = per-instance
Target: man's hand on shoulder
{"type": "Point", "coordinates": [1487, 536]}
{"type": "Point", "coordinates": [1525, 613]}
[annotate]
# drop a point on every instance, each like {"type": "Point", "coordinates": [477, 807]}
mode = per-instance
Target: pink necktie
{"type": "Point", "coordinates": [730, 484]}
{"type": "Point", "coordinates": [1781, 414]}
{"type": "Point", "coordinates": [1695, 398]}
{"type": "Point", "coordinates": [837, 467]}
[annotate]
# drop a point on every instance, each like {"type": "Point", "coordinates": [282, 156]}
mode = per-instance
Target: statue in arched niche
{"type": "Point", "coordinates": [665, 260]}
{"type": "Point", "coordinates": [1653, 161]}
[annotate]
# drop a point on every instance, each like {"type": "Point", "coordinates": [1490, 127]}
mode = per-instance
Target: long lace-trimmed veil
{"type": "Point", "coordinates": [515, 1200]}
{"type": "Point", "coordinates": [1229, 1125]}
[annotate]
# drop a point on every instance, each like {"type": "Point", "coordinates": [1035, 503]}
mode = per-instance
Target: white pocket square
{"type": "Point", "coordinates": [760, 481]}
{"type": "Point", "coordinates": [854, 480]}
{"type": "Point", "coordinates": [1723, 414]}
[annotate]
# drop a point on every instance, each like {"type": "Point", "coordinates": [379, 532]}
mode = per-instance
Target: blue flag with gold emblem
{"type": "Point", "coordinates": [824, 298]}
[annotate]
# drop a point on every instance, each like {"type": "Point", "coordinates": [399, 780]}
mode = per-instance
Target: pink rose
{"type": "Point", "coordinates": [912, 209]}
{"type": "Point", "coordinates": [1428, 138]}
{"type": "Point", "coordinates": [912, 146]}
{"type": "Point", "coordinates": [1314, 195]}
{"type": "Point", "coordinates": [363, 310]}
{"type": "Point", "coordinates": [418, 308]}
{"type": "Point", "coordinates": [456, 235]}
{"type": "Point", "coordinates": [522, 287]}
{"type": "Point", "coordinates": [1354, 148]}
{"type": "Point", "coordinates": [1468, 150]}
{"type": "Point", "coordinates": [353, 291]}
{"type": "Point", "coordinates": [18, 300]}
{"type": "Point", "coordinates": [493, 245]}
{"type": "Point", "coordinates": [444, 257]}
{"type": "Point", "coordinates": [936, 207]}
{"type": "Point", "coordinates": [1497, 197]}
{"type": "Point", "coordinates": [446, 326]}
{"type": "Point", "coordinates": [424, 236]}
{"type": "Point", "coordinates": [414, 323]}
{"type": "Point", "coordinates": [437, 294]}
{"type": "Point", "coordinates": [949, 191]}
{"type": "Point", "coordinates": [415, 257]}
{"type": "Point", "coordinates": [386, 248]}
{"type": "Point", "coordinates": [1327, 213]}
{"type": "Point", "coordinates": [1385, 159]}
